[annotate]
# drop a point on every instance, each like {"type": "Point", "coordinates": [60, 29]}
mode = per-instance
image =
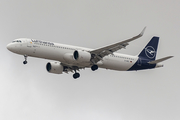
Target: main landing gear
{"type": "Point", "coordinates": [25, 57]}
{"type": "Point", "coordinates": [94, 67]}
{"type": "Point", "coordinates": [76, 75]}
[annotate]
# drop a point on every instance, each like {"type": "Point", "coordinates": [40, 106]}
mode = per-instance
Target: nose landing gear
{"type": "Point", "coordinates": [25, 57]}
{"type": "Point", "coordinates": [24, 62]}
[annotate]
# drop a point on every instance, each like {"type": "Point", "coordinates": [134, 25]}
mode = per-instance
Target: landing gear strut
{"type": "Point", "coordinates": [25, 57]}
{"type": "Point", "coordinates": [94, 67]}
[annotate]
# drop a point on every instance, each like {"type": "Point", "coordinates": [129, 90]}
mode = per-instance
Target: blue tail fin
{"type": "Point", "coordinates": [149, 52]}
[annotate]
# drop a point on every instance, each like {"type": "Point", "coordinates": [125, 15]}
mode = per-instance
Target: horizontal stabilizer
{"type": "Point", "coordinates": [160, 60]}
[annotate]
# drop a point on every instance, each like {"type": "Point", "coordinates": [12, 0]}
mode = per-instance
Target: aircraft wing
{"type": "Point", "coordinates": [98, 54]}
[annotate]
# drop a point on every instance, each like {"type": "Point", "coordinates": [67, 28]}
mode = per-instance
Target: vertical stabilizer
{"type": "Point", "coordinates": [149, 52]}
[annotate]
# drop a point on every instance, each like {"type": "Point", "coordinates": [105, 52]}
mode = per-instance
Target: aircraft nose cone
{"type": "Point", "coordinates": [9, 47]}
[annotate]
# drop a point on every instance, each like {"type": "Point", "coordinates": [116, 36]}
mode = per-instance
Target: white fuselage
{"type": "Point", "coordinates": [56, 51]}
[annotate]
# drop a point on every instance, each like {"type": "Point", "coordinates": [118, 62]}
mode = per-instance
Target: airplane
{"type": "Point", "coordinates": [68, 58]}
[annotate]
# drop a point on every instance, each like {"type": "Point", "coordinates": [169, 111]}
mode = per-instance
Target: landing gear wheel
{"type": "Point", "coordinates": [25, 62]}
{"type": "Point", "coordinates": [94, 67]}
{"type": "Point", "coordinates": [76, 75]}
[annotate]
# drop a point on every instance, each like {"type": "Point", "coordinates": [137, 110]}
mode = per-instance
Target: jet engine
{"type": "Point", "coordinates": [81, 56]}
{"type": "Point", "coordinates": [69, 58]}
{"type": "Point", "coordinates": [54, 67]}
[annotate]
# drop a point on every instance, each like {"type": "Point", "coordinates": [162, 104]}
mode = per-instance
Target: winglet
{"type": "Point", "coordinates": [143, 31]}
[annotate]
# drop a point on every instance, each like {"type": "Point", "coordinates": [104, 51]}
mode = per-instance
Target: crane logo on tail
{"type": "Point", "coordinates": [150, 52]}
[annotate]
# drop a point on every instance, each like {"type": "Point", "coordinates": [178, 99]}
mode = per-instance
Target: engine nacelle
{"type": "Point", "coordinates": [69, 58]}
{"type": "Point", "coordinates": [81, 56]}
{"type": "Point", "coordinates": [54, 67]}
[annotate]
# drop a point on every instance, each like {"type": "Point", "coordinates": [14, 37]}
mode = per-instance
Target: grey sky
{"type": "Point", "coordinates": [28, 92]}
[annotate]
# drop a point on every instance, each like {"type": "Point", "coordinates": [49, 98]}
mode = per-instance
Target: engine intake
{"type": "Point", "coordinates": [76, 55]}
{"type": "Point", "coordinates": [81, 56]}
{"type": "Point", "coordinates": [54, 67]}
